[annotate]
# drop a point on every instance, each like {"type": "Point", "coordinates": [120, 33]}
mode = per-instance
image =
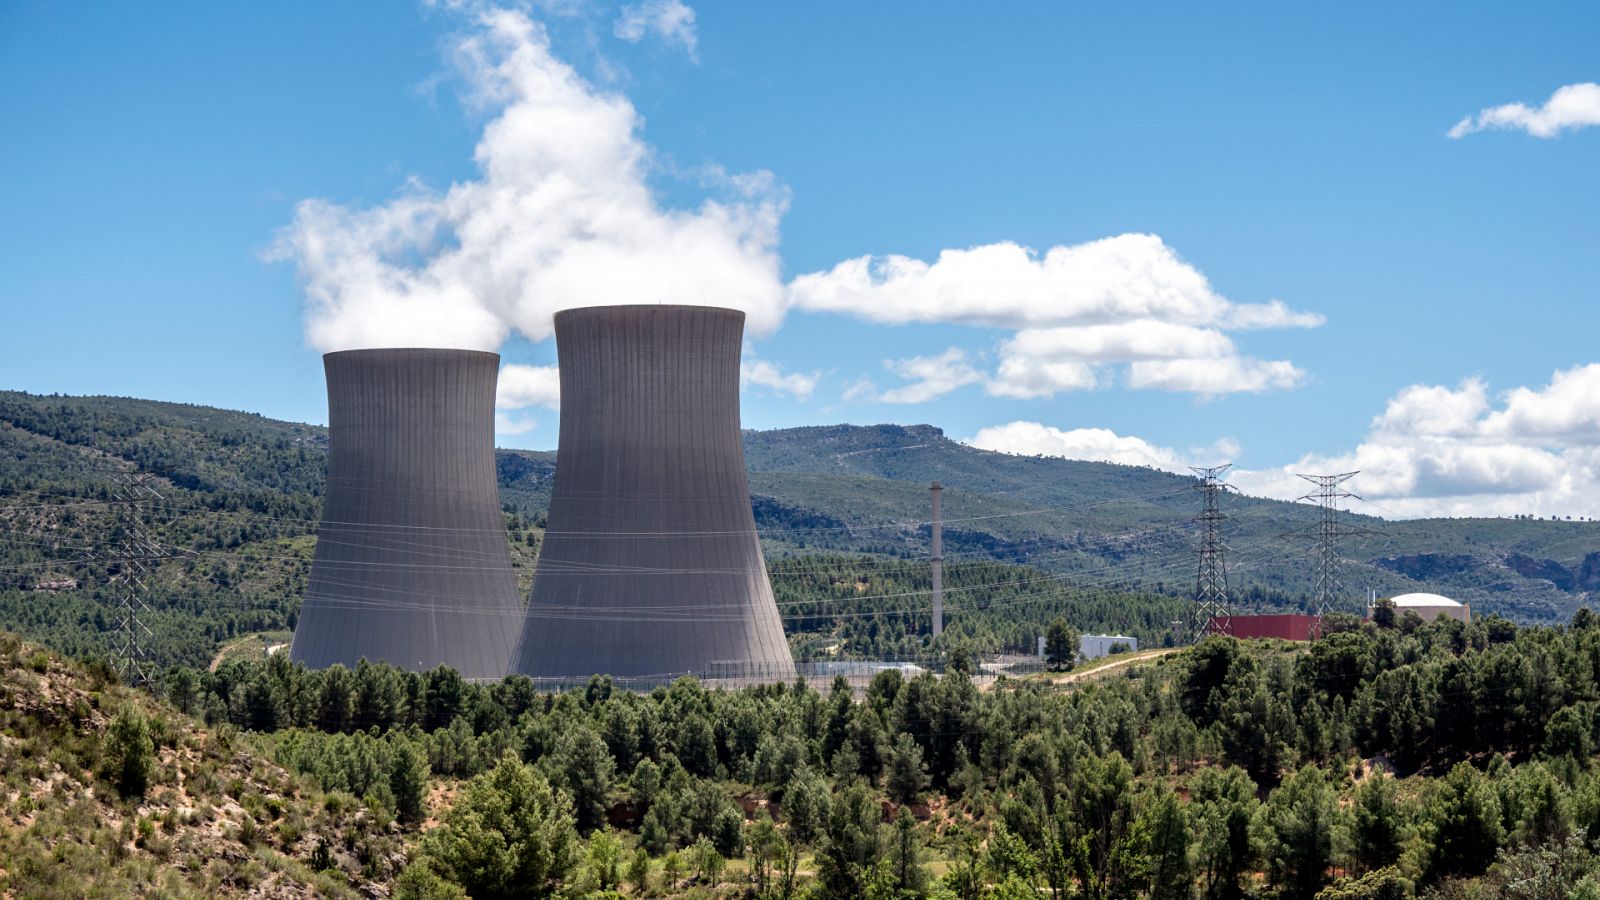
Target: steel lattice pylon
{"type": "Point", "coordinates": [1326, 532]}
{"type": "Point", "coordinates": [135, 555]}
{"type": "Point", "coordinates": [1213, 613]}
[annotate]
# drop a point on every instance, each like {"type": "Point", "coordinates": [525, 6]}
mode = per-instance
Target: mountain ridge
{"type": "Point", "coordinates": [863, 489]}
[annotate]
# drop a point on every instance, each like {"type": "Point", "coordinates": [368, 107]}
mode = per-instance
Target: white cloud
{"type": "Point", "coordinates": [860, 389]}
{"type": "Point", "coordinates": [1213, 376]}
{"type": "Point", "coordinates": [1076, 309]}
{"type": "Point", "coordinates": [1027, 377]}
{"type": "Point", "coordinates": [529, 386]}
{"type": "Point", "coordinates": [760, 372]}
{"type": "Point", "coordinates": [1006, 285]}
{"type": "Point", "coordinates": [559, 215]}
{"type": "Point", "coordinates": [1566, 412]}
{"type": "Point", "coordinates": [1096, 445]}
{"type": "Point", "coordinates": [670, 20]}
{"type": "Point", "coordinates": [1436, 450]}
{"type": "Point", "coordinates": [1139, 339]}
{"type": "Point", "coordinates": [505, 424]}
{"type": "Point", "coordinates": [1569, 108]}
{"type": "Point", "coordinates": [1434, 410]}
{"type": "Point", "coordinates": [1272, 314]}
{"type": "Point", "coordinates": [930, 376]}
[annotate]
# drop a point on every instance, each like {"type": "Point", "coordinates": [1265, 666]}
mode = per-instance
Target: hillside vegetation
{"type": "Point", "coordinates": [1441, 761]}
{"type": "Point", "coordinates": [1027, 538]}
{"type": "Point", "coordinates": [108, 792]}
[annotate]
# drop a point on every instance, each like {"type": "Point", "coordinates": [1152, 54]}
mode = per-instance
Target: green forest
{"type": "Point", "coordinates": [1395, 760]}
{"type": "Point", "coordinates": [1442, 760]}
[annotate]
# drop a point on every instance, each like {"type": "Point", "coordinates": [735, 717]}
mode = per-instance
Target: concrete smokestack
{"type": "Point", "coordinates": [412, 566]}
{"type": "Point", "coordinates": [651, 567]}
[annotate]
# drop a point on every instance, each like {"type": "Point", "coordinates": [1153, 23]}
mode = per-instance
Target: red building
{"type": "Point", "coordinates": [1287, 626]}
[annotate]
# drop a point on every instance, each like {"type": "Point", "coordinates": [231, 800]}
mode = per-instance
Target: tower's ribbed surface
{"type": "Point", "coordinates": [412, 564]}
{"type": "Point", "coordinates": [651, 566]}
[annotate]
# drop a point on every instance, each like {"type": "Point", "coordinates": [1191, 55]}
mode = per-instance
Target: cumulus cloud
{"type": "Point", "coordinates": [1027, 377]}
{"type": "Point", "coordinates": [1006, 285]}
{"type": "Point", "coordinates": [929, 376]}
{"type": "Point", "coordinates": [1565, 412]}
{"type": "Point", "coordinates": [1075, 309]}
{"type": "Point", "coordinates": [529, 386]}
{"type": "Point", "coordinates": [506, 424]}
{"type": "Point", "coordinates": [558, 215]}
{"type": "Point", "coordinates": [1436, 450]}
{"type": "Point", "coordinates": [1435, 410]}
{"type": "Point", "coordinates": [1568, 109]}
{"type": "Point", "coordinates": [1214, 376]}
{"type": "Point", "coordinates": [1093, 444]}
{"type": "Point", "coordinates": [669, 20]}
{"type": "Point", "coordinates": [762, 373]}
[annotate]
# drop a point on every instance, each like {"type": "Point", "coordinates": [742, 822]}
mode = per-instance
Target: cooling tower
{"type": "Point", "coordinates": [412, 564]}
{"type": "Point", "coordinates": [650, 566]}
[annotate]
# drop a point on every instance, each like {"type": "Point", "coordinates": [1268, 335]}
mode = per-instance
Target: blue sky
{"type": "Point", "coordinates": [155, 163]}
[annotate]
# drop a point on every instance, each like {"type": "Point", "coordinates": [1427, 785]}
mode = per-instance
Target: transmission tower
{"type": "Point", "coordinates": [134, 558]}
{"type": "Point", "coordinates": [1213, 614]}
{"type": "Point", "coordinates": [1326, 533]}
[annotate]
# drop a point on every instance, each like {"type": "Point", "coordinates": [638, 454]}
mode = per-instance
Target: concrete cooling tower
{"type": "Point", "coordinates": [650, 566]}
{"type": "Point", "coordinates": [412, 566]}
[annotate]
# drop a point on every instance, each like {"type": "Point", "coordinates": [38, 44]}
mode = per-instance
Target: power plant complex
{"type": "Point", "coordinates": [651, 566]}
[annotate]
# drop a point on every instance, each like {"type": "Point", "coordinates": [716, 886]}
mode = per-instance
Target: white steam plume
{"type": "Point", "coordinates": [559, 216]}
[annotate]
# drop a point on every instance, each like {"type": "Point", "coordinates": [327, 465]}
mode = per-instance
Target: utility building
{"type": "Point", "coordinates": [1429, 607]}
{"type": "Point", "coordinates": [1287, 626]}
{"type": "Point", "coordinates": [1094, 646]}
{"type": "Point", "coordinates": [651, 567]}
{"type": "Point", "coordinates": [412, 565]}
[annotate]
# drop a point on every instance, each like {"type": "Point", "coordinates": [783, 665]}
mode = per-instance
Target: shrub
{"type": "Point", "coordinates": [128, 754]}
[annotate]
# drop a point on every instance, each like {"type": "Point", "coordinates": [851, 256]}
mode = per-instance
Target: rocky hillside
{"type": "Point", "coordinates": [108, 792]}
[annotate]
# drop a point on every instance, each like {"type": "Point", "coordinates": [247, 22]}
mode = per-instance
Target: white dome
{"type": "Point", "coordinates": [1422, 600]}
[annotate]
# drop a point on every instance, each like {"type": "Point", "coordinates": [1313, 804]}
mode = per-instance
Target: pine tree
{"type": "Point", "coordinates": [1375, 825]}
{"type": "Point", "coordinates": [1299, 821]}
{"type": "Point", "coordinates": [907, 776]}
{"type": "Point", "coordinates": [128, 754]}
{"type": "Point", "coordinates": [904, 857]}
{"type": "Point", "coordinates": [1060, 646]}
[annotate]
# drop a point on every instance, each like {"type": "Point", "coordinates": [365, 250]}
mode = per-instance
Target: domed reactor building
{"type": "Point", "coordinates": [651, 567]}
{"type": "Point", "coordinates": [412, 565]}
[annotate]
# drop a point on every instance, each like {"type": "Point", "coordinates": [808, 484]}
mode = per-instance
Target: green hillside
{"type": "Point", "coordinates": [1064, 515]}
{"type": "Point", "coordinates": [1386, 761]}
{"type": "Point", "coordinates": [241, 496]}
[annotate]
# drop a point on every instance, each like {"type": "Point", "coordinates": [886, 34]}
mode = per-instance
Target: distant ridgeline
{"type": "Point", "coordinates": [842, 511]}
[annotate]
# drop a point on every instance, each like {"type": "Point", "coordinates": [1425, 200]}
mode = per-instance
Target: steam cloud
{"type": "Point", "coordinates": [560, 216]}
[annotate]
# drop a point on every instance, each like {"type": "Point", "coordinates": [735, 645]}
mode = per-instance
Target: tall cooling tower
{"type": "Point", "coordinates": [412, 564]}
{"type": "Point", "coordinates": [650, 566]}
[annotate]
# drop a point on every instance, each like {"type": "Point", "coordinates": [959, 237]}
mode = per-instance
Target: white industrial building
{"type": "Point", "coordinates": [1430, 606]}
{"type": "Point", "coordinates": [1094, 646]}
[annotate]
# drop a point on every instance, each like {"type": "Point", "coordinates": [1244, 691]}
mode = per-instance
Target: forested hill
{"type": "Point", "coordinates": [856, 489]}
{"type": "Point", "coordinates": [1069, 515]}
